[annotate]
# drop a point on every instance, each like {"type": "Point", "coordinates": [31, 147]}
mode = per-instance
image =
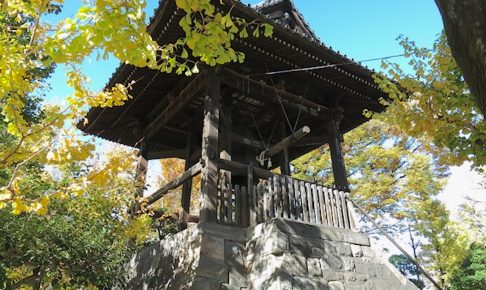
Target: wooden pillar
{"type": "Point", "coordinates": [284, 156]}
{"type": "Point", "coordinates": [141, 171]}
{"type": "Point", "coordinates": [187, 186]}
{"type": "Point", "coordinates": [335, 139]}
{"type": "Point", "coordinates": [226, 122]}
{"type": "Point", "coordinates": [210, 150]}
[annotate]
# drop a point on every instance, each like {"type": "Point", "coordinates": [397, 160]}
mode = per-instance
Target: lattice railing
{"type": "Point", "coordinates": [284, 197]}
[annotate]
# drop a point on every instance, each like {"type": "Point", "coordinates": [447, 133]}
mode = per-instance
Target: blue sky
{"type": "Point", "coordinates": [360, 29]}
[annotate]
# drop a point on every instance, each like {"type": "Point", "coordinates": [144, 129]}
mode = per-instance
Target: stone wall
{"type": "Point", "coordinates": [279, 254]}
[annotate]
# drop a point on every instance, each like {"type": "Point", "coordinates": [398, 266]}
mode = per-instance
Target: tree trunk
{"type": "Point", "coordinates": [465, 27]}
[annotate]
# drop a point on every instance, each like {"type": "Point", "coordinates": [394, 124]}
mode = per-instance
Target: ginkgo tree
{"type": "Point", "coordinates": [65, 212]}
{"type": "Point", "coordinates": [106, 28]}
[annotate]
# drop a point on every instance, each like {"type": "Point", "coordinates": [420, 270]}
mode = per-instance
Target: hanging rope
{"type": "Point", "coordinates": [377, 226]}
{"type": "Point", "coordinates": [280, 101]}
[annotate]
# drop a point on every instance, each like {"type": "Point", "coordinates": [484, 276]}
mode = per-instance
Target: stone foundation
{"type": "Point", "coordinates": [279, 254]}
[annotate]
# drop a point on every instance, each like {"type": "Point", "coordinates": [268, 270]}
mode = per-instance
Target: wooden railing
{"type": "Point", "coordinates": [281, 196]}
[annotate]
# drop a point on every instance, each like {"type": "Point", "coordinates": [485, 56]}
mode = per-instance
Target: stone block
{"type": "Point", "coordinates": [364, 267]}
{"type": "Point", "coordinates": [305, 246]}
{"type": "Point", "coordinates": [213, 269]}
{"type": "Point", "coordinates": [368, 252]}
{"type": "Point", "coordinates": [212, 247]}
{"type": "Point", "coordinates": [317, 252]}
{"type": "Point", "coordinates": [237, 277]}
{"type": "Point", "coordinates": [331, 262]}
{"type": "Point", "coordinates": [205, 283]}
{"type": "Point", "coordinates": [336, 285]}
{"type": "Point", "coordinates": [273, 243]}
{"type": "Point", "coordinates": [332, 275]}
{"type": "Point", "coordinates": [295, 265]}
{"type": "Point", "coordinates": [356, 250]}
{"type": "Point", "coordinates": [314, 267]}
{"type": "Point", "coordinates": [302, 283]}
{"type": "Point", "coordinates": [355, 278]}
{"type": "Point", "coordinates": [278, 280]}
{"type": "Point", "coordinates": [348, 264]}
{"type": "Point", "coordinates": [339, 248]}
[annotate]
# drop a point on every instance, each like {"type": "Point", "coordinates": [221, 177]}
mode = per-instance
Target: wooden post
{"type": "Point", "coordinates": [338, 168]}
{"type": "Point", "coordinates": [284, 157]}
{"type": "Point", "coordinates": [225, 123]}
{"type": "Point", "coordinates": [210, 150]}
{"type": "Point", "coordinates": [187, 186]}
{"type": "Point", "coordinates": [141, 171]}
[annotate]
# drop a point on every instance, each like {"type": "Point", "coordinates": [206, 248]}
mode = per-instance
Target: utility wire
{"type": "Point", "coordinates": [337, 64]}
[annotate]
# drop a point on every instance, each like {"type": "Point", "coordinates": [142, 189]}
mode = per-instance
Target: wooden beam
{"type": "Point", "coordinates": [210, 148]}
{"type": "Point", "coordinates": [286, 142]}
{"type": "Point", "coordinates": [174, 107]}
{"type": "Point", "coordinates": [268, 92]}
{"type": "Point", "coordinates": [176, 153]}
{"type": "Point", "coordinates": [191, 172]}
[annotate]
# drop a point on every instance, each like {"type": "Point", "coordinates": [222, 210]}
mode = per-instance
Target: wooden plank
{"type": "Point", "coordinates": [244, 206]}
{"type": "Point", "coordinates": [271, 194]}
{"type": "Point", "coordinates": [228, 197]}
{"type": "Point", "coordinates": [322, 204]}
{"type": "Point", "coordinates": [260, 201]}
{"type": "Point", "coordinates": [310, 204]}
{"type": "Point", "coordinates": [252, 195]}
{"type": "Point", "coordinates": [292, 205]}
{"type": "Point", "coordinates": [278, 196]}
{"type": "Point", "coordinates": [266, 201]}
{"type": "Point", "coordinates": [328, 206]}
{"type": "Point", "coordinates": [285, 196]}
{"type": "Point", "coordinates": [315, 199]}
{"type": "Point", "coordinates": [339, 209]}
{"type": "Point", "coordinates": [221, 200]}
{"type": "Point", "coordinates": [210, 148]}
{"type": "Point", "coordinates": [344, 206]}
{"type": "Point", "coordinates": [305, 205]}
{"type": "Point", "coordinates": [191, 172]}
{"type": "Point", "coordinates": [333, 208]}
{"type": "Point", "coordinates": [238, 204]}
{"type": "Point", "coordinates": [298, 201]}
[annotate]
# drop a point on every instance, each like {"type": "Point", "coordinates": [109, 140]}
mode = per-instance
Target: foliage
{"type": "Point", "coordinates": [407, 268]}
{"type": "Point", "coordinates": [63, 211]}
{"type": "Point", "coordinates": [102, 28]}
{"type": "Point", "coordinates": [395, 178]}
{"type": "Point", "coordinates": [81, 241]}
{"type": "Point", "coordinates": [386, 168]}
{"type": "Point", "coordinates": [433, 103]}
{"type": "Point", "coordinates": [172, 168]}
{"type": "Point", "coordinates": [445, 243]}
{"type": "Point", "coordinates": [472, 273]}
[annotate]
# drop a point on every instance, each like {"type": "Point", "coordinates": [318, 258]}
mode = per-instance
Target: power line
{"type": "Point", "coordinates": [337, 64]}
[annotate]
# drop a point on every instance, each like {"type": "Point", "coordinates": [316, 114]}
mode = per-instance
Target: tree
{"type": "Point", "coordinates": [407, 268]}
{"type": "Point", "coordinates": [465, 26]}
{"type": "Point", "coordinates": [433, 103]}
{"type": "Point", "coordinates": [51, 187]}
{"type": "Point", "coordinates": [395, 178]}
{"type": "Point", "coordinates": [81, 241]}
{"type": "Point", "coordinates": [472, 273]}
{"type": "Point", "coordinates": [386, 168]}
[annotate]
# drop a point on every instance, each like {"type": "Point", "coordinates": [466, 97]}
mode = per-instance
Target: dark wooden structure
{"type": "Point", "coordinates": [235, 122]}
